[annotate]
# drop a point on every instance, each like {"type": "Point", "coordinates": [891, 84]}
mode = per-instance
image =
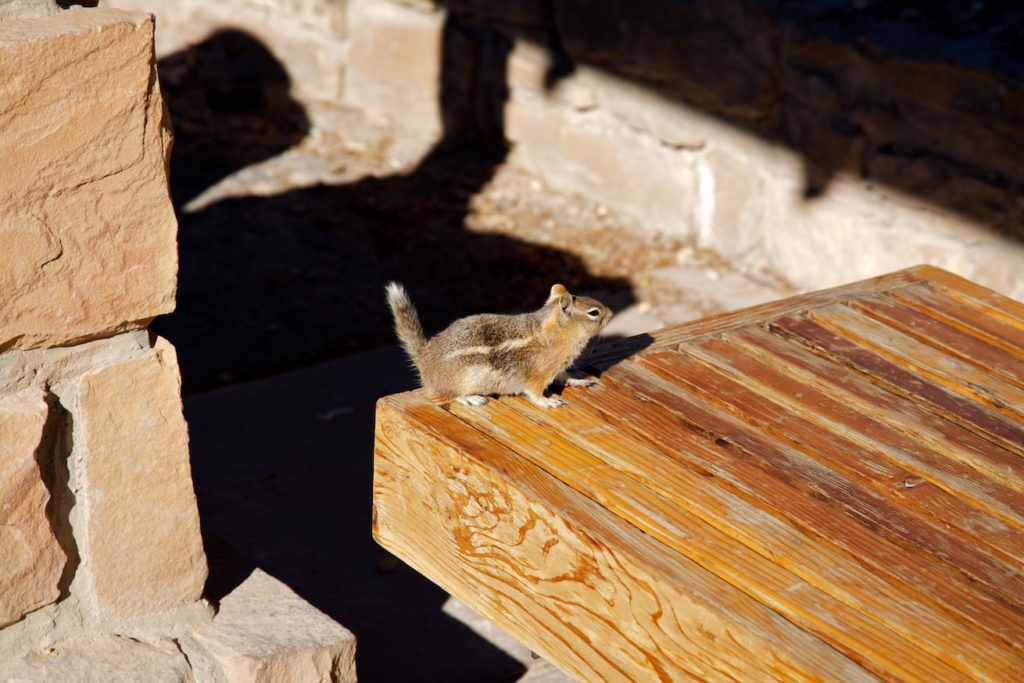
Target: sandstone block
{"type": "Point", "coordinates": [711, 55]}
{"type": "Point", "coordinates": [305, 36]}
{"type": "Point", "coordinates": [110, 659]}
{"type": "Point", "coordinates": [137, 526]}
{"type": "Point", "coordinates": [265, 633]}
{"type": "Point", "coordinates": [594, 154]}
{"type": "Point", "coordinates": [394, 62]}
{"type": "Point", "coordinates": [529, 68]}
{"type": "Point", "coordinates": [855, 232]}
{"type": "Point", "coordinates": [31, 559]}
{"type": "Point", "coordinates": [326, 15]}
{"type": "Point", "coordinates": [87, 230]}
{"type": "Point", "coordinates": [531, 15]}
{"type": "Point", "coordinates": [27, 8]}
{"type": "Point", "coordinates": [37, 367]}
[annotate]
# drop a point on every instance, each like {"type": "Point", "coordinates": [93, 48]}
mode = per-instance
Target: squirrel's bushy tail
{"type": "Point", "coordinates": [407, 321]}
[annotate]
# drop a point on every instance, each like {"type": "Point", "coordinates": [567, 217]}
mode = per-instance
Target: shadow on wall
{"type": "Point", "coordinates": [272, 283]}
{"type": "Point", "coordinates": [923, 97]}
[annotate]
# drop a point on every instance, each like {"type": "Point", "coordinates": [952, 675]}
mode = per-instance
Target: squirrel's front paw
{"type": "Point", "coordinates": [580, 382]}
{"type": "Point", "coordinates": [549, 402]}
{"type": "Point", "coordinates": [471, 400]}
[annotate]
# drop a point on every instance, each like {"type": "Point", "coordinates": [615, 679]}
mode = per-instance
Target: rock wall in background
{"type": "Point", "coordinates": [823, 143]}
{"type": "Point", "coordinates": [739, 127]}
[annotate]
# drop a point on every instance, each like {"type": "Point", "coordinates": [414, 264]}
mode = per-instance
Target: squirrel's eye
{"type": "Point", "coordinates": [593, 312]}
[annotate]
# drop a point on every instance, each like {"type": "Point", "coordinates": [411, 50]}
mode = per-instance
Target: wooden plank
{"type": "Point", "coordinates": [735, 504]}
{"type": "Point", "coordinates": [955, 375]}
{"type": "Point", "coordinates": [858, 445]}
{"type": "Point", "coordinates": [830, 486]}
{"type": "Point", "coordinates": [1006, 365]}
{"type": "Point", "coordinates": [602, 356]}
{"type": "Point", "coordinates": [1002, 307]}
{"type": "Point", "coordinates": [958, 458]}
{"type": "Point", "coordinates": [974, 320]}
{"type": "Point", "coordinates": [591, 593]}
{"type": "Point", "coordinates": [669, 411]}
{"type": "Point", "coordinates": [948, 405]}
{"type": "Point", "coordinates": [933, 449]}
{"type": "Point", "coordinates": [677, 506]}
{"type": "Point", "coordinates": [777, 435]}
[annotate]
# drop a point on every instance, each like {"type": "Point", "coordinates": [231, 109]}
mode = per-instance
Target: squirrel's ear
{"type": "Point", "coordinates": [560, 294]}
{"type": "Point", "coordinates": [557, 292]}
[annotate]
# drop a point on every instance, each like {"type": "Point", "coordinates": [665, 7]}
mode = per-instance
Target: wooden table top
{"type": "Point", "coordinates": [829, 487]}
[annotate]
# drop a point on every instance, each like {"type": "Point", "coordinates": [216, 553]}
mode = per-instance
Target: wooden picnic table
{"type": "Point", "coordinates": [828, 487]}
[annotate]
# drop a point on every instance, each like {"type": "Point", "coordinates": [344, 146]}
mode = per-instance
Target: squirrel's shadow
{"type": "Point", "coordinates": [604, 353]}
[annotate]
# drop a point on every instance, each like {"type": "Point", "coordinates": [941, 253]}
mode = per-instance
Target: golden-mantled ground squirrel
{"type": "Point", "coordinates": [501, 354]}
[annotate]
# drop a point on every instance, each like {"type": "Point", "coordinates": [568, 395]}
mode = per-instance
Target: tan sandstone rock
{"type": "Point", "coordinates": [111, 659]}
{"type": "Point", "coordinates": [31, 560]}
{"type": "Point", "coordinates": [27, 8]}
{"type": "Point", "coordinates": [307, 37]}
{"type": "Point", "coordinates": [87, 230]}
{"type": "Point", "coordinates": [136, 524]}
{"type": "Point", "coordinates": [582, 151]}
{"type": "Point", "coordinates": [265, 633]}
{"type": "Point", "coordinates": [394, 62]}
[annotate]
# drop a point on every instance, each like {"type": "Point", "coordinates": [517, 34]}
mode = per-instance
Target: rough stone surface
{"type": "Point", "coordinates": [110, 659]}
{"type": "Point", "coordinates": [63, 622]}
{"type": "Point", "coordinates": [137, 524]}
{"type": "Point", "coordinates": [88, 232]}
{"type": "Point", "coordinates": [731, 125]}
{"type": "Point", "coordinates": [395, 62]}
{"type": "Point", "coordinates": [41, 367]}
{"type": "Point", "coordinates": [27, 8]}
{"type": "Point", "coordinates": [31, 559]}
{"type": "Point", "coordinates": [583, 152]}
{"type": "Point", "coordinates": [265, 633]}
{"type": "Point", "coordinates": [307, 37]}
{"type": "Point", "coordinates": [47, 385]}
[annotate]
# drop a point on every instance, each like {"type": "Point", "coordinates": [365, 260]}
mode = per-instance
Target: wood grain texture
{"type": "Point", "coordinates": [594, 594]}
{"type": "Point", "coordinates": [801, 453]}
{"type": "Point", "coordinates": [675, 505]}
{"type": "Point", "coordinates": [829, 487]}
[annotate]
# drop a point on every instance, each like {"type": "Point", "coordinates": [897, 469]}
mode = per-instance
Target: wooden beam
{"type": "Point", "coordinates": [590, 592]}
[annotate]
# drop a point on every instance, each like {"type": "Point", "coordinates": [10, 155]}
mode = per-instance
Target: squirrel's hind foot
{"type": "Point", "coordinates": [471, 400]}
{"type": "Point", "coordinates": [580, 382]}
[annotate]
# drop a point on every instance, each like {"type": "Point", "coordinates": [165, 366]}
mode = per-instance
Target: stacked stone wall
{"type": "Point", "coordinates": [818, 159]}
{"type": "Point", "coordinates": [739, 125]}
{"type": "Point", "coordinates": [100, 520]}
{"type": "Point", "coordinates": [102, 566]}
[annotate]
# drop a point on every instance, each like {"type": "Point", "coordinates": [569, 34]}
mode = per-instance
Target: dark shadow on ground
{"type": "Point", "coordinates": [605, 353]}
{"type": "Point", "coordinates": [283, 470]}
{"type": "Point", "coordinates": [283, 467]}
{"type": "Point", "coordinates": [273, 283]}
